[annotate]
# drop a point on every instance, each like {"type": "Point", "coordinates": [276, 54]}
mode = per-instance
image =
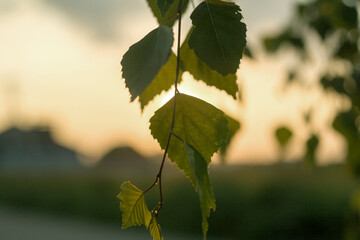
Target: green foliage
{"type": "Point", "coordinates": [335, 21]}
{"type": "Point", "coordinates": [327, 16]}
{"type": "Point", "coordinates": [283, 136]}
{"type": "Point", "coordinates": [190, 130]}
{"type": "Point", "coordinates": [199, 124]}
{"type": "Point", "coordinates": [170, 17]}
{"type": "Point", "coordinates": [133, 206]}
{"type": "Point", "coordinates": [162, 82]}
{"type": "Point", "coordinates": [199, 167]}
{"type": "Point", "coordinates": [155, 229]}
{"type": "Point", "coordinates": [135, 211]}
{"type": "Point", "coordinates": [142, 62]}
{"type": "Point", "coordinates": [217, 24]}
{"type": "Point", "coordinates": [311, 147]}
{"type": "Point", "coordinates": [347, 49]}
{"type": "Point", "coordinates": [201, 71]}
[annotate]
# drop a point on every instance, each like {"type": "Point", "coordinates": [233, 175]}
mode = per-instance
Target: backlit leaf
{"type": "Point", "coordinates": [203, 72]}
{"type": "Point", "coordinates": [155, 229]}
{"type": "Point", "coordinates": [198, 123]}
{"type": "Point", "coordinates": [133, 206]}
{"type": "Point", "coordinates": [171, 14]}
{"type": "Point", "coordinates": [142, 62]}
{"type": "Point", "coordinates": [219, 36]}
{"type": "Point", "coordinates": [199, 168]}
{"type": "Point", "coordinates": [162, 82]}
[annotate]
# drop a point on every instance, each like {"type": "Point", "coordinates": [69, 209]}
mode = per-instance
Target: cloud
{"type": "Point", "coordinates": [8, 5]}
{"type": "Point", "coordinates": [101, 17]}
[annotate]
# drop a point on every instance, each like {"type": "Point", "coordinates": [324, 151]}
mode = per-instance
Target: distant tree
{"type": "Point", "coordinates": [333, 26]}
{"type": "Point", "coordinates": [330, 26]}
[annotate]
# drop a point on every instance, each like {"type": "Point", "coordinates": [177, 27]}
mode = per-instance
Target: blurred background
{"type": "Point", "coordinates": [69, 135]}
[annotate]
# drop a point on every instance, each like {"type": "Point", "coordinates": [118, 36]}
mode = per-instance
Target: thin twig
{"type": "Point", "coordinates": [176, 91]}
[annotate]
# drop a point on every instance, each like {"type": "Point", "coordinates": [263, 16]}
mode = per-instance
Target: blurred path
{"type": "Point", "coordinates": [26, 225]}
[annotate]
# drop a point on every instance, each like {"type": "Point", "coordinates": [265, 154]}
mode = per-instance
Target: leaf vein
{"type": "Point", "coordinates": [216, 34]}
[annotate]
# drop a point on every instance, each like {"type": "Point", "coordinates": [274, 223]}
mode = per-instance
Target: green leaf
{"type": "Point", "coordinates": [142, 62]}
{"type": "Point", "coordinates": [198, 123]}
{"type": "Point", "coordinates": [171, 14]}
{"type": "Point", "coordinates": [203, 72]}
{"type": "Point", "coordinates": [283, 136]}
{"type": "Point", "coordinates": [133, 206]}
{"type": "Point", "coordinates": [164, 6]}
{"type": "Point", "coordinates": [199, 167]}
{"type": "Point", "coordinates": [234, 126]}
{"type": "Point", "coordinates": [219, 36]}
{"type": "Point", "coordinates": [162, 82]}
{"type": "Point", "coordinates": [155, 229]}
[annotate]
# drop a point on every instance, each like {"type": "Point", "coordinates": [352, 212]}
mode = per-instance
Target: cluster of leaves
{"type": "Point", "coordinates": [329, 20]}
{"type": "Point", "coordinates": [189, 129]}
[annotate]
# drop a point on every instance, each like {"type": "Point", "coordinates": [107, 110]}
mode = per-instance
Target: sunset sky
{"type": "Point", "coordinates": [60, 65]}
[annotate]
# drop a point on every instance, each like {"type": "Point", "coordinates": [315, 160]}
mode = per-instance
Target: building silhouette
{"type": "Point", "coordinates": [34, 149]}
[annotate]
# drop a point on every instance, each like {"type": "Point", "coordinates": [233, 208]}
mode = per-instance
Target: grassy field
{"type": "Point", "coordinates": [254, 202]}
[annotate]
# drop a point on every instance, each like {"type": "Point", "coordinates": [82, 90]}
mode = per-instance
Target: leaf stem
{"type": "Point", "coordinates": [178, 137]}
{"type": "Point", "coordinates": [169, 18]}
{"type": "Point", "coordinates": [176, 91]}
